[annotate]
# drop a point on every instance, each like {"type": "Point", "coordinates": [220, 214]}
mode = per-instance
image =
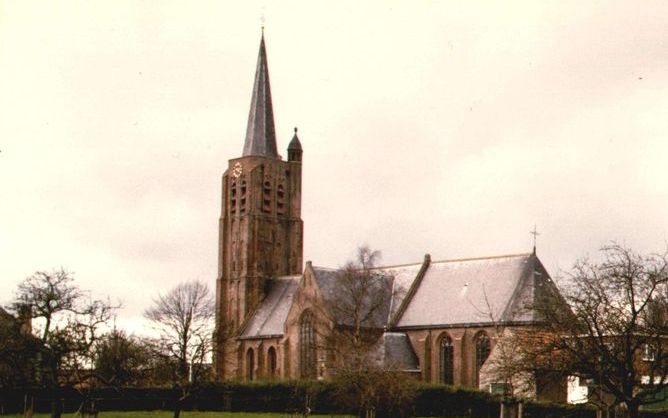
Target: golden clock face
{"type": "Point", "coordinates": [237, 170]}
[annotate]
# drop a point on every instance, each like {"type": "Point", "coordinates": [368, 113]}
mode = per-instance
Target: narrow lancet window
{"type": "Point", "coordinates": [271, 362]}
{"type": "Point", "coordinates": [250, 365]}
{"type": "Point", "coordinates": [307, 361]}
{"type": "Point", "coordinates": [446, 361]}
{"type": "Point", "coordinates": [482, 350]}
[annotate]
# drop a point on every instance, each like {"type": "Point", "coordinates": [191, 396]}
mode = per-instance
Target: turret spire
{"type": "Point", "coordinates": [260, 134]}
{"type": "Point", "coordinates": [295, 148]}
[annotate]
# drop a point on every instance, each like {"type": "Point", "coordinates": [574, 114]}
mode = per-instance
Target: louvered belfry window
{"type": "Point", "coordinates": [280, 202]}
{"type": "Point", "coordinates": [266, 197]}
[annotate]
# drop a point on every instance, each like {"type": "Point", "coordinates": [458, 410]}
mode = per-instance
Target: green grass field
{"type": "Point", "coordinates": [184, 414]}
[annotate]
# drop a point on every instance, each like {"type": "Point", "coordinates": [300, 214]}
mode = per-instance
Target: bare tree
{"type": "Point", "coordinates": [504, 363]}
{"type": "Point", "coordinates": [122, 360]}
{"type": "Point", "coordinates": [615, 333]}
{"type": "Point", "coordinates": [360, 310]}
{"type": "Point", "coordinates": [68, 324]}
{"type": "Point", "coordinates": [353, 317]}
{"type": "Point", "coordinates": [184, 318]}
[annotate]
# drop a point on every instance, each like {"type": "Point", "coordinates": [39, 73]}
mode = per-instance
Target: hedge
{"type": "Point", "coordinates": [447, 401]}
{"type": "Point", "coordinates": [255, 397]}
{"type": "Point", "coordinates": [430, 400]}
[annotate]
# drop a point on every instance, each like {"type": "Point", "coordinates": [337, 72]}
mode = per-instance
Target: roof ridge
{"type": "Point", "coordinates": [325, 268]}
{"type": "Point", "coordinates": [396, 265]}
{"type": "Point", "coordinates": [452, 260]}
{"type": "Point", "coordinates": [288, 276]}
{"type": "Point", "coordinates": [493, 257]}
{"type": "Point", "coordinates": [372, 268]}
{"type": "Point", "coordinates": [455, 260]}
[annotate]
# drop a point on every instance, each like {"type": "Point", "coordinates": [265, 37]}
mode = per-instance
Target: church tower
{"type": "Point", "coordinates": [260, 228]}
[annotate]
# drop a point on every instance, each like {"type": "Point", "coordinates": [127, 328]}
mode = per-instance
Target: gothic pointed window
{"type": "Point", "coordinates": [250, 364]}
{"type": "Point", "coordinates": [307, 360]}
{"type": "Point", "coordinates": [446, 361]}
{"type": "Point", "coordinates": [482, 349]}
{"type": "Point", "coordinates": [271, 362]}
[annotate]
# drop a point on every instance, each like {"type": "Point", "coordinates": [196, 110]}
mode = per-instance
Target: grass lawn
{"type": "Point", "coordinates": [184, 414]}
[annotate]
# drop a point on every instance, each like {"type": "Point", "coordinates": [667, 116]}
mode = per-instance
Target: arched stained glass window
{"type": "Point", "coordinates": [307, 360]}
{"type": "Point", "coordinates": [482, 349]}
{"type": "Point", "coordinates": [446, 361]}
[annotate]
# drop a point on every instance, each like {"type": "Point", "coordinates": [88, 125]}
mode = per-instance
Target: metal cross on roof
{"type": "Point", "coordinates": [535, 233]}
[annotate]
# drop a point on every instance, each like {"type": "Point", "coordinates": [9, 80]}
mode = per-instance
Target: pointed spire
{"type": "Point", "coordinates": [260, 134]}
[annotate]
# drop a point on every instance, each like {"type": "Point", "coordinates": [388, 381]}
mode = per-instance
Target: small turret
{"type": "Point", "coordinates": [295, 149]}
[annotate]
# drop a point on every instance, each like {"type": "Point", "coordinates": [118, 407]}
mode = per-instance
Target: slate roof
{"type": "Point", "coordinates": [260, 132]}
{"type": "Point", "coordinates": [394, 351]}
{"type": "Point", "coordinates": [269, 319]}
{"type": "Point", "coordinates": [337, 293]}
{"type": "Point", "coordinates": [449, 293]}
{"type": "Point", "coordinates": [404, 276]}
{"type": "Point", "coordinates": [472, 291]}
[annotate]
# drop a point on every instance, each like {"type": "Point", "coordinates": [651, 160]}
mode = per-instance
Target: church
{"type": "Point", "coordinates": [438, 320]}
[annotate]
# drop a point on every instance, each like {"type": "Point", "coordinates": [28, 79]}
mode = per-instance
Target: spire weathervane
{"type": "Point", "coordinates": [535, 233]}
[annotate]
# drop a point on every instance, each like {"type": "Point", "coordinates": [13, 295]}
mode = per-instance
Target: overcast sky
{"type": "Point", "coordinates": [448, 128]}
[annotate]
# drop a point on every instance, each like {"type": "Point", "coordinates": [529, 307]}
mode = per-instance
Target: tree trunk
{"type": "Point", "coordinates": [56, 409]}
{"type": "Point", "coordinates": [633, 409]}
{"type": "Point", "coordinates": [179, 403]}
{"type": "Point", "coordinates": [28, 406]}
